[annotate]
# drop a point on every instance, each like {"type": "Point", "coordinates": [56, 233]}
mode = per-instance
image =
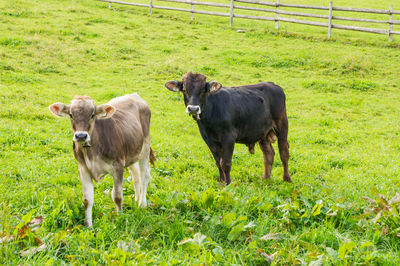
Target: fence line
{"type": "Point", "coordinates": [277, 11]}
{"type": "Point", "coordinates": [197, 3]}
{"type": "Point", "coordinates": [277, 14]}
{"type": "Point", "coordinates": [330, 17]}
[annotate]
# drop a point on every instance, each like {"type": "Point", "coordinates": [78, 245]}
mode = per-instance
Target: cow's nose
{"type": "Point", "coordinates": [81, 136]}
{"type": "Point", "coordinates": [193, 109]}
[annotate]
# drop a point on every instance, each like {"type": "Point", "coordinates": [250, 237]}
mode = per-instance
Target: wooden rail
{"type": "Point", "coordinates": [278, 11]}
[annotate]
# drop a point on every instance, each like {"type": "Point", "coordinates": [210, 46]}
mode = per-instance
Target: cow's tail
{"type": "Point", "coordinates": [152, 157]}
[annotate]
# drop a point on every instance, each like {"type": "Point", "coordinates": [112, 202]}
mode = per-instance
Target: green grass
{"type": "Point", "coordinates": [342, 104]}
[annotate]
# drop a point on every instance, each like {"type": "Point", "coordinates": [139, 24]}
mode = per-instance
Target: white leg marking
{"type": "Point", "coordinates": [88, 193]}
{"type": "Point", "coordinates": [134, 171]}
{"type": "Point", "coordinates": [144, 174]}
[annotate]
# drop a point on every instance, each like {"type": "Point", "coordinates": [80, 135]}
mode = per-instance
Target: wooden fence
{"type": "Point", "coordinates": [276, 9]}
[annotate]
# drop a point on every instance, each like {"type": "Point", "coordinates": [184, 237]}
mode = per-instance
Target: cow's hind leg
{"type": "Point", "coordinates": [134, 171]}
{"type": "Point", "coordinates": [268, 154]}
{"type": "Point", "coordinates": [144, 174]}
{"type": "Point", "coordinates": [118, 176]}
{"type": "Point", "coordinates": [282, 132]}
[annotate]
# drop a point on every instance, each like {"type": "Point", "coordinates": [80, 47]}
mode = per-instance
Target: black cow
{"type": "Point", "coordinates": [245, 114]}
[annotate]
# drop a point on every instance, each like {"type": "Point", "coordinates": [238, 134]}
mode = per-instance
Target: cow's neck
{"type": "Point", "coordinates": [204, 116]}
{"type": "Point", "coordinates": [87, 156]}
{"type": "Point", "coordinates": [207, 110]}
{"type": "Point", "coordinates": [93, 163]}
{"type": "Point", "coordinates": [87, 152]}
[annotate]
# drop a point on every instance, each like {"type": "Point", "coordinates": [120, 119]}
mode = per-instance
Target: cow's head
{"type": "Point", "coordinates": [195, 89]}
{"type": "Point", "coordinates": [83, 114]}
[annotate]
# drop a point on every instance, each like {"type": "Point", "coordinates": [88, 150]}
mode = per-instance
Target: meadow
{"type": "Point", "coordinates": [342, 103]}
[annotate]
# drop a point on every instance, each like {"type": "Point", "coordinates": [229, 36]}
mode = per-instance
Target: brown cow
{"type": "Point", "coordinates": [108, 138]}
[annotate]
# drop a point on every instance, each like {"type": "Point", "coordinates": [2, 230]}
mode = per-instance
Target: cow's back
{"type": "Point", "coordinates": [248, 111]}
{"type": "Point", "coordinates": [122, 135]}
{"type": "Point", "coordinates": [277, 98]}
{"type": "Point", "coordinates": [269, 91]}
{"type": "Point", "coordinates": [134, 107]}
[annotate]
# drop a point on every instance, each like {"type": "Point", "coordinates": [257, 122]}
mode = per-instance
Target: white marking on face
{"type": "Point", "coordinates": [193, 107]}
{"type": "Point", "coordinates": [76, 136]}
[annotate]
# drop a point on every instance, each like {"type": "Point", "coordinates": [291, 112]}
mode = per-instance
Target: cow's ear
{"type": "Point", "coordinates": [174, 85]}
{"type": "Point", "coordinates": [214, 86]}
{"type": "Point", "coordinates": [59, 109]}
{"type": "Point", "coordinates": [104, 111]}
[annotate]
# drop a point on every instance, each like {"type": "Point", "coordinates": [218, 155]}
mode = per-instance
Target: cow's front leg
{"type": "Point", "coordinates": [118, 176]}
{"type": "Point", "coordinates": [217, 154]}
{"type": "Point", "coordinates": [216, 150]}
{"type": "Point", "coordinates": [227, 151]}
{"type": "Point", "coordinates": [88, 193]}
{"type": "Point", "coordinates": [218, 161]}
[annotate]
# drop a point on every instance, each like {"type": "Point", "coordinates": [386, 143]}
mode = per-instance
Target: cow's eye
{"type": "Point", "coordinates": [92, 116]}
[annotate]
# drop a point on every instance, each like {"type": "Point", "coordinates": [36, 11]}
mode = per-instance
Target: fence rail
{"type": "Point", "coordinates": [277, 11]}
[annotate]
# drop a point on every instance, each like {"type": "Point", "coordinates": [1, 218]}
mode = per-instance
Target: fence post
{"type": "Point", "coordinates": [277, 15]}
{"type": "Point", "coordinates": [191, 11]}
{"type": "Point", "coordinates": [390, 23]}
{"type": "Point", "coordinates": [151, 7]}
{"type": "Point", "coordinates": [109, 4]}
{"type": "Point", "coordinates": [231, 14]}
{"type": "Point", "coordinates": [330, 19]}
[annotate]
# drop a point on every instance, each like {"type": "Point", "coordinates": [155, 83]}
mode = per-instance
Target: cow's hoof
{"type": "Point", "coordinates": [87, 224]}
{"type": "Point", "coordinates": [287, 179]}
{"type": "Point", "coordinates": [265, 177]}
{"type": "Point", "coordinates": [223, 183]}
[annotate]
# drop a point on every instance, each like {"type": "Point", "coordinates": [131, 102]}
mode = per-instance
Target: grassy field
{"type": "Point", "coordinates": [342, 104]}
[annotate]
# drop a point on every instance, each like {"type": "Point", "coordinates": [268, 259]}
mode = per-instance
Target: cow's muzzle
{"type": "Point", "coordinates": [194, 110]}
{"type": "Point", "coordinates": [82, 137]}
